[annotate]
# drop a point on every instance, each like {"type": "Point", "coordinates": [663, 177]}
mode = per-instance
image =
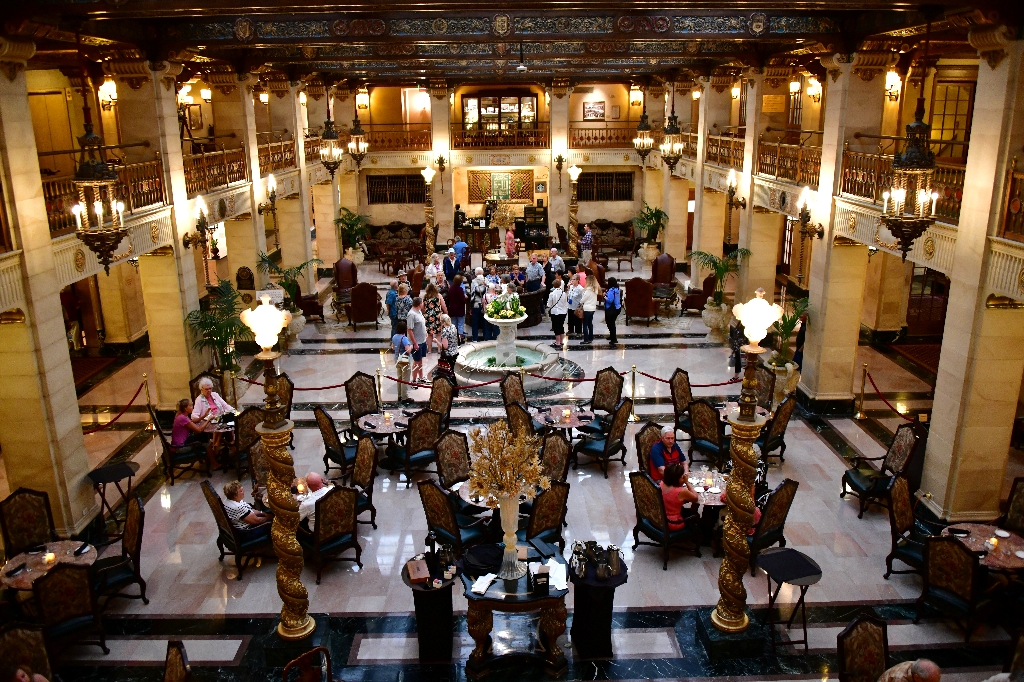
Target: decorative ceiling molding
{"type": "Point", "coordinates": [14, 55]}
{"type": "Point", "coordinates": [774, 76]}
{"type": "Point", "coordinates": [991, 42]}
{"type": "Point", "coordinates": [867, 65]}
{"type": "Point", "coordinates": [132, 72]}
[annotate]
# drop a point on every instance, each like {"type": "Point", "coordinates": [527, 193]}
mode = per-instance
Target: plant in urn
{"type": "Point", "coordinates": [505, 468]}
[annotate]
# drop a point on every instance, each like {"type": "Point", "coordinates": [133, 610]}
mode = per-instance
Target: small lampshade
{"type": "Point", "coordinates": [302, 98]}
{"type": "Point", "coordinates": [206, 94]}
{"type": "Point", "coordinates": [428, 174]}
{"type": "Point", "coordinates": [264, 97]}
{"type": "Point", "coordinates": [757, 315]}
{"type": "Point", "coordinates": [736, 92]}
{"type": "Point", "coordinates": [695, 93]}
{"type": "Point", "coordinates": [574, 172]}
{"type": "Point", "coordinates": [805, 198]}
{"type": "Point", "coordinates": [731, 180]}
{"type": "Point", "coordinates": [794, 86]}
{"type": "Point", "coordinates": [266, 322]}
{"type": "Point", "coordinates": [271, 183]}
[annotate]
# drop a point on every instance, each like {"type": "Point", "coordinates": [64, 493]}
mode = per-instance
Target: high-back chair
{"type": "Point", "coordinates": [244, 546]}
{"type": "Point", "coordinates": [26, 520]}
{"type": "Point", "coordinates": [361, 396]}
{"type": "Point", "coordinates": [519, 420]}
{"type": "Point", "coordinates": [334, 529]}
{"type": "Point", "coordinates": [773, 434]}
{"type": "Point", "coordinates": [765, 391]}
{"type": "Point", "coordinates": [652, 521]}
{"type": "Point", "coordinates": [645, 438]}
{"type": "Point", "coordinates": [453, 463]}
{"type": "Point", "coordinates": [176, 667]}
{"type": "Point", "coordinates": [259, 472]}
{"type": "Point", "coordinates": [708, 436]}
{"type": "Point", "coordinates": [66, 603]}
{"type": "Point", "coordinates": [554, 456]}
{"type": "Point", "coordinates": [870, 485]}
{"type": "Point", "coordinates": [246, 436]}
{"type": "Point", "coordinates": [338, 453]}
{"type": "Point", "coordinates": [418, 451]}
{"type": "Point", "coordinates": [1013, 519]}
{"type": "Point", "coordinates": [682, 396]}
{"type": "Point", "coordinates": [439, 508]}
{"type": "Point", "coordinates": [193, 384]}
{"type": "Point", "coordinates": [863, 649]}
{"type": "Point", "coordinates": [771, 528]}
{"type": "Point", "coordinates": [607, 394]}
{"type": "Point", "coordinates": [111, 575]}
{"type": "Point", "coordinates": [547, 514]}
{"type": "Point", "coordinates": [602, 449]}
{"type": "Point", "coordinates": [442, 394]}
{"type": "Point", "coordinates": [663, 269]}
{"type": "Point", "coordinates": [179, 459]}
{"type": "Point", "coordinates": [286, 393]}
{"type": "Point", "coordinates": [512, 389]}
{"type": "Point", "coordinates": [640, 300]}
{"type": "Point", "coordinates": [364, 305]}
{"type": "Point", "coordinates": [24, 645]}
{"type": "Point", "coordinates": [312, 666]}
{"type": "Point", "coordinates": [907, 532]}
{"type": "Point", "coordinates": [954, 583]}
{"type": "Point", "coordinates": [364, 471]}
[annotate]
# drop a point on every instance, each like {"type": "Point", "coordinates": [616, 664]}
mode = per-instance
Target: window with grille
{"type": "Point", "coordinates": [605, 187]}
{"type": "Point", "coordinates": [951, 118]}
{"type": "Point", "coordinates": [395, 189]}
{"type": "Point", "coordinates": [796, 106]}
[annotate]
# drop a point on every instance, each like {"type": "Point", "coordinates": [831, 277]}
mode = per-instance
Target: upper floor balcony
{"type": "Point", "coordinates": [397, 137]}
{"type": "Point", "coordinates": [796, 163]}
{"type": "Point", "coordinates": [275, 155]}
{"type": "Point", "coordinates": [724, 150]}
{"type": "Point", "coordinates": [211, 170]}
{"type": "Point", "coordinates": [538, 137]}
{"type": "Point", "coordinates": [1013, 212]}
{"type": "Point", "coordinates": [601, 134]}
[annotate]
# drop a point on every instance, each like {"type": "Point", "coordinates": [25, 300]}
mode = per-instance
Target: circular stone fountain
{"type": "Point", "coordinates": [483, 361]}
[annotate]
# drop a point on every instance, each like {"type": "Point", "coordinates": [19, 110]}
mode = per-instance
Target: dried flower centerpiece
{"type": "Point", "coordinates": [506, 467]}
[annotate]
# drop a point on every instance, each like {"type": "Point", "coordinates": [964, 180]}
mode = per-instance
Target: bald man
{"type": "Point", "coordinates": [307, 502]}
{"type": "Point", "coordinates": [921, 670]}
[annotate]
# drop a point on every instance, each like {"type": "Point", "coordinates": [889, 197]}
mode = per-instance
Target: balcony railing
{"type": "Point", "coordinates": [689, 144]}
{"type": "Point", "coordinates": [796, 163]}
{"type": "Point", "coordinates": [868, 175]}
{"type": "Point", "coordinates": [140, 185]}
{"type": "Point", "coordinates": [204, 172]}
{"type": "Point", "coordinates": [397, 137]}
{"type": "Point", "coordinates": [1013, 211]}
{"type": "Point", "coordinates": [527, 138]}
{"type": "Point", "coordinates": [724, 150]}
{"type": "Point", "coordinates": [312, 148]}
{"type": "Point", "coordinates": [276, 156]}
{"type": "Point", "coordinates": [610, 135]}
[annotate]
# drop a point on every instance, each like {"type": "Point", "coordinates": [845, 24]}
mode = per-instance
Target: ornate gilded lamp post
{"type": "Point", "coordinates": [807, 230]}
{"type": "Point", "coordinates": [266, 322]}
{"type": "Point", "coordinates": [731, 613]}
{"type": "Point", "coordinates": [572, 248]}
{"type": "Point", "coordinates": [429, 237]}
{"type": "Point", "coordinates": [731, 202]}
{"type": "Point", "coordinates": [270, 206]}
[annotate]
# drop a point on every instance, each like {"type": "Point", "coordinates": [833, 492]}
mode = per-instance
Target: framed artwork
{"type": "Point", "coordinates": [514, 185]}
{"type": "Point", "coordinates": [593, 111]}
{"type": "Point", "coordinates": [541, 188]}
{"type": "Point", "coordinates": [195, 116]}
{"type": "Point", "coordinates": [615, 112]}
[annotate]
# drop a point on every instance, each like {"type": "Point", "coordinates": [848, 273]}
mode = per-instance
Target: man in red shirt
{"type": "Point", "coordinates": [666, 452]}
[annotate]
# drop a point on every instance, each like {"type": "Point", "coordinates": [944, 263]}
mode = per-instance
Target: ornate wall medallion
{"type": "Point", "coordinates": [222, 208]}
{"type": "Point", "coordinates": [928, 247]}
{"type": "Point", "coordinates": [502, 25]}
{"type": "Point", "coordinates": [758, 23]}
{"type": "Point", "coordinates": [245, 29]}
{"type": "Point", "coordinates": [154, 232]}
{"type": "Point", "coordinates": [469, 159]}
{"type": "Point", "coordinates": [783, 198]}
{"type": "Point", "coordinates": [79, 260]}
{"type": "Point", "coordinates": [439, 26]}
{"type": "Point", "coordinates": [851, 224]}
{"type": "Point", "coordinates": [247, 298]}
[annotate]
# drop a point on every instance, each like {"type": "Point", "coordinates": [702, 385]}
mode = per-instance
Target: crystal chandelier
{"type": "Point", "coordinates": [672, 143]}
{"type": "Point", "coordinates": [331, 152]}
{"type": "Point", "coordinates": [643, 142]}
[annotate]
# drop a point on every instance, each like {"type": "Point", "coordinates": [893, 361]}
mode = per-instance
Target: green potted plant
{"type": "Point", "coordinates": [288, 278]}
{"type": "Point", "coordinates": [217, 326]}
{"type": "Point", "coordinates": [787, 374]}
{"type": "Point", "coordinates": [352, 227]}
{"type": "Point", "coordinates": [716, 313]}
{"type": "Point", "coordinates": [649, 225]}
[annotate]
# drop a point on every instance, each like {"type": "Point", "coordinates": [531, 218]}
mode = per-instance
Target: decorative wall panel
{"type": "Point", "coordinates": [513, 185]}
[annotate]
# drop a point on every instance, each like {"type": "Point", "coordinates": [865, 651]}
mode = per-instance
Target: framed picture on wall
{"type": "Point", "coordinates": [615, 112]}
{"type": "Point", "coordinates": [593, 111]}
{"type": "Point", "coordinates": [541, 188]}
{"type": "Point", "coordinates": [195, 116]}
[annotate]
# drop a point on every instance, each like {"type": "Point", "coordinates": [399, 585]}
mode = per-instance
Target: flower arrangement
{"type": "Point", "coordinates": [504, 465]}
{"type": "Point", "coordinates": [506, 307]}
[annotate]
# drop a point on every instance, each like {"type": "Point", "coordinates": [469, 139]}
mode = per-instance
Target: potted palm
{"type": "Point", "coordinates": [716, 313]}
{"type": "Point", "coordinates": [288, 278]}
{"type": "Point", "coordinates": [787, 372]}
{"type": "Point", "coordinates": [650, 225]}
{"type": "Point", "coordinates": [352, 227]}
{"type": "Point", "coordinates": [217, 327]}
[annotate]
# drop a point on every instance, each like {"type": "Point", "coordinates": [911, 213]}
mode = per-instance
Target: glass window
{"type": "Point", "coordinates": [470, 112]}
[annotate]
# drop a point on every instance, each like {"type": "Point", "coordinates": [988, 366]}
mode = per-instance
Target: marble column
{"type": "Point", "coordinates": [853, 105]}
{"type": "Point", "coordinates": [709, 205]}
{"type": "Point", "coordinates": [442, 185]}
{"type": "Point", "coordinates": [982, 355]}
{"type": "Point", "coordinates": [299, 238]}
{"type": "Point", "coordinates": [886, 295]}
{"type": "Point", "coordinates": [42, 439]}
{"type": "Point", "coordinates": [242, 248]}
{"type": "Point", "coordinates": [124, 308]}
{"type": "Point", "coordinates": [761, 235]}
{"type": "Point", "coordinates": [558, 204]}
{"type": "Point", "coordinates": [678, 195]}
{"type": "Point", "coordinates": [327, 247]}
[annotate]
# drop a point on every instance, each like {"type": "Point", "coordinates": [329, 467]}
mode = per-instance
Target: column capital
{"type": "Point", "coordinates": [991, 42]}
{"type": "Point", "coordinates": [438, 88]}
{"type": "Point", "coordinates": [836, 64]}
{"type": "Point", "coordinates": [867, 65]}
{"type": "Point", "coordinates": [315, 89]}
{"type": "Point", "coordinates": [560, 87]}
{"type": "Point", "coordinates": [722, 81]}
{"type": "Point", "coordinates": [14, 55]}
{"type": "Point", "coordinates": [774, 76]}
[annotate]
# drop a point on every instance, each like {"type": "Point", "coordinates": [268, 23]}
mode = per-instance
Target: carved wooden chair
{"type": "Point", "coordinates": [361, 396]}
{"type": "Point", "coordinates": [334, 529]}
{"type": "Point", "coordinates": [245, 545]}
{"type": "Point", "coordinates": [607, 394]}
{"type": "Point", "coordinates": [338, 453]}
{"type": "Point", "coordinates": [26, 520]}
{"type": "Point", "coordinates": [418, 451]}
{"type": "Point", "coordinates": [771, 528]}
{"type": "Point", "coordinates": [286, 393]}
{"type": "Point", "coordinates": [765, 392]}
{"type": "Point", "coordinates": [1013, 519]}
{"type": "Point", "coordinates": [246, 436]}
{"type": "Point", "coordinates": [65, 600]}
{"type": "Point", "coordinates": [364, 470]}
{"type": "Point", "coordinates": [111, 575]}
{"type": "Point", "coordinates": [773, 434]}
{"type": "Point", "coordinates": [24, 645]}
{"type": "Point", "coordinates": [908, 532]}
{"type": "Point", "coordinates": [547, 514]}
{"type": "Point", "coordinates": [682, 396]}
{"type": "Point", "coordinates": [954, 584]}
{"type": "Point", "coordinates": [453, 463]}
{"type": "Point", "coordinates": [602, 449]}
{"type": "Point", "coordinates": [179, 460]}
{"type": "Point", "coordinates": [259, 472]}
{"type": "Point", "coordinates": [312, 666]}
{"type": "Point", "coordinates": [554, 456]}
{"type": "Point", "coordinates": [439, 509]}
{"type": "Point", "coordinates": [863, 649]}
{"type": "Point", "coordinates": [520, 422]}
{"type": "Point", "coordinates": [442, 395]}
{"type": "Point", "coordinates": [176, 667]}
{"type": "Point", "coordinates": [640, 300]}
{"type": "Point", "coordinates": [512, 389]}
{"type": "Point", "coordinates": [870, 485]}
{"type": "Point", "coordinates": [708, 437]}
{"type": "Point", "coordinates": [645, 439]}
{"type": "Point", "coordinates": [652, 521]}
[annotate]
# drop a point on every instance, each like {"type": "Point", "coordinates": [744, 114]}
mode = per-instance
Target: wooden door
{"type": "Point", "coordinates": [926, 309]}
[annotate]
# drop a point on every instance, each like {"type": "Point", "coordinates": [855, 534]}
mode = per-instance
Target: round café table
{"type": "Point", "coordinates": [1008, 554]}
{"type": "Point", "coordinates": [708, 497]}
{"type": "Point", "coordinates": [554, 417]}
{"type": "Point", "coordinates": [383, 432]}
{"type": "Point", "coordinates": [733, 407]}
{"type": "Point", "coordinates": [36, 567]}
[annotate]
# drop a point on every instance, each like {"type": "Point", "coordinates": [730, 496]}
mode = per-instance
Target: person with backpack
{"type": "Point", "coordinates": [558, 306]}
{"type": "Point", "coordinates": [612, 308]}
{"type": "Point", "coordinates": [477, 291]}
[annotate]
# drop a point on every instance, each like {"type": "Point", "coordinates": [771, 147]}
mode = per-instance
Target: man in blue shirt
{"type": "Point", "coordinates": [451, 265]}
{"type": "Point", "coordinates": [461, 248]}
{"type": "Point", "coordinates": [666, 452]}
{"type": "Point", "coordinates": [389, 301]}
{"type": "Point", "coordinates": [400, 343]}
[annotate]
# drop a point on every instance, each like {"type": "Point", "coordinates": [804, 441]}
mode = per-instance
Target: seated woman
{"type": "Point", "coordinates": [17, 673]}
{"type": "Point", "coordinates": [241, 514]}
{"type": "Point", "coordinates": [676, 491]}
{"type": "Point", "coordinates": [188, 430]}
{"type": "Point", "coordinates": [209, 405]}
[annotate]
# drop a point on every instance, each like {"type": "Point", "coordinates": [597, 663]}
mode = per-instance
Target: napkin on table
{"type": "Point", "coordinates": [557, 575]}
{"type": "Point", "coordinates": [482, 583]}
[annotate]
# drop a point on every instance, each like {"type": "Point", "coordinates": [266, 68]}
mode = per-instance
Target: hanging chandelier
{"type": "Point", "coordinates": [331, 152]}
{"type": "Point", "coordinates": [643, 142]}
{"type": "Point", "coordinates": [357, 146]}
{"type": "Point", "coordinates": [672, 142]}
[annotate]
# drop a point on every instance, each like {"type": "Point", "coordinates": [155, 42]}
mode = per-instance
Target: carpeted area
{"type": "Point", "coordinates": [924, 354]}
{"type": "Point", "coordinates": [84, 369]}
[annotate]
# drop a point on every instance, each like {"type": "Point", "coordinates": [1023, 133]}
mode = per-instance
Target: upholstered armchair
{"type": "Point", "coordinates": [765, 391]}
{"type": "Point", "coordinates": [112, 574]}
{"type": "Point", "coordinates": [769, 530]}
{"type": "Point", "coordinates": [361, 398]}
{"type": "Point", "coordinates": [246, 436]}
{"type": "Point", "coordinates": [364, 470]}
{"type": "Point", "coordinates": [243, 545]}
{"type": "Point", "coordinates": [26, 520]}
{"type": "Point", "coordinates": [646, 438]}
{"type": "Point", "coordinates": [442, 520]}
{"type": "Point", "coordinates": [872, 486]}
{"type": "Point", "coordinates": [554, 456]}
{"type": "Point", "coordinates": [547, 515]}
{"type": "Point", "coordinates": [310, 304]}
{"type": "Point", "coordinates": [179, 460]}
{"type": "Point", "coordinates": [708, 436]}
{"type": "Point", "coordinates": [954, 584]}
{"type": "Point", "coordinates": [908, 532]}
{"type": "Point", "coordinates": [66, 602]}
{"type": "Point", "coordinates": [418, 451]}
{"type": "Point", "coordinates": [773, 434]}
{"type": "Point", "coordinates": [696, 299]}
{"type": "Point", "coordinates": [682, 396]}
{"type": "Point", "coordinates": [364, 306]}
{"type": "Point", "coordinates": [607, 394]}
{"type": "Point", "coordinates": [338, 453]}
{"type": "Point", "coordinates": [640, 300]}
{"type": "Point", "coordinates": [442, 394]}
{"type": "Point", "coordinates": [334, 529]}
{"type": "Point", "coordinates": [652, 521]}
{"type": "Point", "coordinates": [863, 649]}
{"type": "Point", "coordinates": [603, 448]}
{"type": "Point", "coordinates": [663, 270]}
{"type": "Point", "coordinates": [520, 422]}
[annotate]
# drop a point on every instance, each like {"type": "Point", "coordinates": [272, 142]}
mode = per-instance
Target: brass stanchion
{"type": "Point", "coordinates": [860, 403]}
{"type": "Point", "coordinates": [632, 410]}
{"type": "Point", "coordinates": [522, 378]}
{"type": "Point", "coordinates": [145, 380]}
{"type": "Point", "coordinates": [380, 389]}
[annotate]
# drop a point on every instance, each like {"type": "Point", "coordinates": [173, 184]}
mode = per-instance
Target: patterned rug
{"type": "Point", "coordinates": [85, 368]}
{"type": "Point", "coordinates": [923, 354]}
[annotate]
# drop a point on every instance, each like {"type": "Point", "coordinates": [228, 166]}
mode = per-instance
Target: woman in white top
{"type": "Point", "coordinates": [558, 306]}
{"type": "Point", "coordinates": [589, 302]}
{"type": "Point", "coordinates": [574, 293]}
{"type": "Point", "coordinates": [430, 272]}
{"type": "Point", "coordinates": [209, 406]}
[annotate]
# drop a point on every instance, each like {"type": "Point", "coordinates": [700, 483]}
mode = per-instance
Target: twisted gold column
{"type": "Point", "coordinates": [429, 236]}
{"type": "Point", "coordinates": [572, 234]}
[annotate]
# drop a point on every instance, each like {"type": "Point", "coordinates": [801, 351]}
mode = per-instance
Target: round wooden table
{"type": "Point", "coordinates": [575, 420]}
{"type": "Point", "coordinates": [377, 424]}
{"type": "Point", "coordinates": [734, 407]}
{"type": "Point", "coordinates": [36, 567]}
{"type": "Point", "coordinates": [1008, 554]}
{"type": "Point", "coordinates": [707, 498]}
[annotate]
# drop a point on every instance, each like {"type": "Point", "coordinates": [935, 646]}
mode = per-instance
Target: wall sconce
{"type": "Point", "coordinates": [893, 83]}
{"type": "Point", "coordinates": [451, 99]}
{"type": "Point", "coordinates": [363, 99]}
{"type": "Point", "coordinates": [735, 92]}
{"type": "Point", "coordinates": [559, 162]}
{"type": "Point", "coordinates": [264, 98]}
{"type": "Point", "coordinates": [270, 207]}
{"type": "Point", "coordinates": [107, 93]}
{"type": "Point", "coordinates": [183, 96]}
{"type": "Point", "coordinates": [206, 94]}
{"type": "Point", "coordinates": [695, 93]}
{"type": "Point", "coordinates": [806, 229]}
{"type": "Point", "coordinates": [636, 96]}
{"type": "Point", "coordinates": [794, 86]}
{"type": "Point", "coordinates": [302, 99]}
{"type": "Point", "coordinates": [732, 202]}
{"type": "Point", "coordinates": [814, 89]}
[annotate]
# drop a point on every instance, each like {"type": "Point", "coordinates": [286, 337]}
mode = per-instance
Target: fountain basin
{"type": "Point", "coordinates": [477, 363]}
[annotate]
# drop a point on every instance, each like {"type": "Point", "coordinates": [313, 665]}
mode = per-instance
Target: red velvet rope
{"type": "Point", "coordinates": [574, 381]}
{"type": "Point", "coordinates": [734, 380]}
{"type": "Point", "coordinates": [903, 416]}
{"type": "Point", "coordinates": [119, 414]}
{"type": "Point", "coordinates": [311, 388]}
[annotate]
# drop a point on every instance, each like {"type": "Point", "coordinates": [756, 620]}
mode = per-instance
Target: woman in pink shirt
{"type": "Point", "coordinates": [676, 491]}
{"type": "Point", "coordinates": [187, 430]}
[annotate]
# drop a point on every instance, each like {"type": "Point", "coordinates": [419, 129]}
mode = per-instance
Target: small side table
{"type": "Point", "coordinates": [434, 616]}
{"type": "Point", "coordinates": [787, 565]}
{"type": "Point", "coordinates": [592, 616]}
{"type": "Point", "coordinates": [113, 473]}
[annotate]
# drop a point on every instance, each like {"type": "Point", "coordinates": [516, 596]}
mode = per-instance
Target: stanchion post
{"type": "Point", "coordinates": [860, 406]}
{"type": "Point", "coordinates": [632, 412]}
{"type": "Point", "coordinates": [380, 390]}
{"type": "Point", "coordinates": [145, 380]}
{"type": "Point", "coordinates": [522, 378]}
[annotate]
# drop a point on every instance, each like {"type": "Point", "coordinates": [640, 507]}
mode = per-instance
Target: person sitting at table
{"type": "Point", "coordinates": [209, 404]}
{"type": "Point", "coordinates": [188, 430]}
{"type": "Point", "coordinates": [676, 491]}
{"type": "Point", "coordinates": [316, 488]}
{"type": "Point", "coordinates": [921, 670]}
{"type": "Point", "coordinates": [240, 513]}
{"type": "Point", "coordinates": [665, 453]}
{"type": "Point", "coordinates": [17, 673]}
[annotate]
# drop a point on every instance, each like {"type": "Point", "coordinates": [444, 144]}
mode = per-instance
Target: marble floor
{"type": "Point", "coordinates": [193, 595]}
